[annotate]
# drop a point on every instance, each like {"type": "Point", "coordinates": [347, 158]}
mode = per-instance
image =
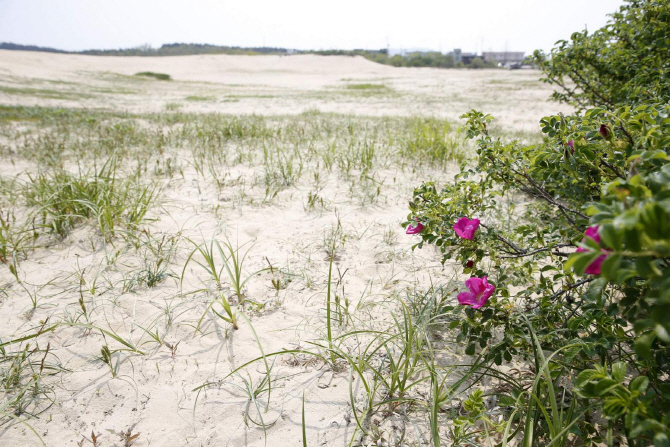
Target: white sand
{"type": "Point", "coordinates": [154, 393]}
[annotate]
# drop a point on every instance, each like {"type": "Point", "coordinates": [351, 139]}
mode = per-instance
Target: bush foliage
{"type": "Point", "coordinates": [575, 237]}
{"type": "Point", "coordinates": [623, 62]}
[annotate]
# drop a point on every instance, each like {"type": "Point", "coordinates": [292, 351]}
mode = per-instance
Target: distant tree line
{"type": "Point", "coordinates": [184, 49]}
{"type": "Point", "coordinates": [17, 47]}
{"type": "Point", "coordinates": [433, 59]}
{"type": "Point", "coordinates": [170, 49]}
{"type": "Point", "coordinates": [418, 59]}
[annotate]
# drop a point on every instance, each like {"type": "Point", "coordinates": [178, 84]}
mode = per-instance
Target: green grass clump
{"type": "Point", "coordinates": [432, 139]}
{"type": "Point", "coordinates": [367, 87]}
{"type": "Point", "coordinates": [63, 199]}
{"type": "Point", "coordinates": [44, 93]}
{"type": "Point", "coordinates": [151, 74]}
{"type": "Point", "coordinates": [200, 98]}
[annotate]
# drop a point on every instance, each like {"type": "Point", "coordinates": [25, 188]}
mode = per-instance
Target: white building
{"type": "Point", "coordinates": [504, 58]}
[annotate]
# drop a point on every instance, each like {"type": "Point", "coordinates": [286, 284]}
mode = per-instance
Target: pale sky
{"type": "Point", "coordinates": [472, 25]}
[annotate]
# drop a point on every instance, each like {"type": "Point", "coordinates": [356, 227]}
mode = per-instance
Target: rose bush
{"type": "Point", "coordinates": [575, 239]}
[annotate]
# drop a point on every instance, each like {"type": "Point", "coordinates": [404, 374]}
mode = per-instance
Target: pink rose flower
{"type": "Point", "coordinates": [416, 229]}
{"type": "Point", "coordinates": [592, 233]}
{"type": "Point", "coordinates": [466, 228]}
{"type": "Point", "coordinates": [480, 292]}
{"type": "Point", "coordinates": [594, 267]}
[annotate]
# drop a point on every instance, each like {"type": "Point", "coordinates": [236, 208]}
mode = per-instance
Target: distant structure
{"type": "Point", "coordinates": [504, 58]}
{"type": "Point", "coordinates": [507, 59]}
{"type": "Point", "coordinates": [461, 57]}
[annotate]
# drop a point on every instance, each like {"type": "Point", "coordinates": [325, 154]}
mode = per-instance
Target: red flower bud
{"type": "Point", "coordinates": [604, 131]}
{"type": "Point", "coordinates": [470, 263]}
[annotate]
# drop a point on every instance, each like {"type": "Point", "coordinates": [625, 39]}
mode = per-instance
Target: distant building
{"type": "Point", "coordinates": [504, 58]}
{"type": "Point", "coordinates": [461, 57]}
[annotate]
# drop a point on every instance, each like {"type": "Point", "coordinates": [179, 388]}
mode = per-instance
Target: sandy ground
{"type": "Point", "coordinates": [153, 393]}
{"type": "Point", "coordinates": [272, 85]}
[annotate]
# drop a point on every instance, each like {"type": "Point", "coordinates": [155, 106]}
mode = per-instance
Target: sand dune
{"type": "Point", "coordinates": [272, 85]}
{"type": "Point", "coordinates": [203, 68]}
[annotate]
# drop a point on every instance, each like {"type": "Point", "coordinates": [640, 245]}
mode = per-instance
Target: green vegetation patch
{"type": "Point", "coordinates": [368, 89]}
{"type": "Point", "coordinates": [200, 98]}
{"type": "Point", "coordinates": [376, 87]}
{"type": "Point", "coordinates": [43, 93]}
{"type": "Point", "coordinates": [151, 74]}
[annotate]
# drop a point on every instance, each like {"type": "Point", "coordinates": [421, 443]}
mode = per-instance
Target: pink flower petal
{"type": "Point", "coordinates": [595, 267]}
{"type": "Point", "coordinates": [467, 298]}
{"type": "Point", "coordinates": [480, 292]}
{"type": "Point", "coordinates": [475, 284]}
{"type": "Point", "coordinates": [488, 291]}
{"type": "Point", "coordinates": [592, 232]}
{"type": "Point", "coordinates": [466, 228]}
{"type": "Point", "coordinates": [478, 304]}
{"type": "Point", "coordinates": [414, 229]}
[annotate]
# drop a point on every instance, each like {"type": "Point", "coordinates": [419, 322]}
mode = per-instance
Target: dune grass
{"type": "Point", "coordinates": [151, 74]}
{"type": "Point", "coordinates": [103, 184]}
{"type": "Point", "coordinates": [367, 86]}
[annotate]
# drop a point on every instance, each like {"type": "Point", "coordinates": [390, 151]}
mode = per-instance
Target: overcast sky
{"type": "Point", "coordinates": [473, 25]}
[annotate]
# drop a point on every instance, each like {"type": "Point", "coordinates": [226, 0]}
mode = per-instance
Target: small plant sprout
{"type": "Point", "coordinates": [231, 261]}
{"type": "Point", "coordinates": [93, 440]}
{"type": "Point", "coordinates": [107, 359]}
{"type": "Point", "coordinates": [127, 437]}
{"type": "Point", "coordinates": [216, 258]}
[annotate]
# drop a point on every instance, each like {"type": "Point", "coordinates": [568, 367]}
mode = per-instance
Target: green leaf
{"type": "Point", "coordinates": [604, 386]}
{"type": "Point", "coordinates": [646, 267]}
{"type": "Point", "coordinates": [661, 440]}
{"type": "Point", "coordinates": [619, 371]}
{"type": "Point", "coordinates": [610, 267]}
{"type": "Point", "coordinates": [614, 407]}
{"type": "Point", "coordinates": [579, 261]}
{"type": "Point", "coordinates": [627, 220]}
{"type": "Point", "coordinates": [639, 384]}
{"type": "Point", "coordinates": [643, 345]}
{"type": "Point", "coordinates": [586, 376]}
{"type": "Point", "coordinates": [611, 237]}
{"type": "Point", "coordinates": [596, 287]}
{"type": "Point", "coordinates": [655, 221]}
